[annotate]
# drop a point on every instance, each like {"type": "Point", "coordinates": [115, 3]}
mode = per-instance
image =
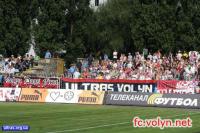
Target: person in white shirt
{"type": "Point", "coordinates": [129, 65]}
{"type": "Point", "coordinates": [141, 76]}
{"type": "Point", "coordinates": [76, 74]}
{"type": "Point", "coordinates": [155, 58]}
{"type": "Point", "coordinates": [115, 55]}
{"type": "Point", "coordinates": [130, 57]}
{"type": "Point", "coordinates": [134, 75]}
{"type": "Point", "coordinates": [189, 72]}
{"type": "Point", "coordinates": [150, 56]}
{"type": "Point", "coordinates": [179, 55]}
{"type": "Point", "coordinates": [115, 65]}
{"type": "Point", "coordinates": [107, 76]}
{"type": "Point", "coordinates": [10, 69]}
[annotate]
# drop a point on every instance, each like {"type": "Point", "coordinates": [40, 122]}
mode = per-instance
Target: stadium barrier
{"type": "Point", "coordinates": [61, 96]}
{"type": "Point", "coordinates": [99, 97]}
{"type": "Point", "coordinates": [157, 100]}
{"type": "Point", "coordinates": [115, 85]}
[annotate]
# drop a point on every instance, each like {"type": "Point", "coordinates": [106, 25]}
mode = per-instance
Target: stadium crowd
{"type": "Point", "coordinates": [9, 66]}
{"type": "Point", "coordinates": [181, 66]}
{"type": "Point", "coordinates": [12, 65]}
{"type": "Point", "coordinates": [137, 66]}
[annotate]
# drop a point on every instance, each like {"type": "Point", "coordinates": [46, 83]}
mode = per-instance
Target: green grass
{"type": "Point", "coordinates": [44, 118]}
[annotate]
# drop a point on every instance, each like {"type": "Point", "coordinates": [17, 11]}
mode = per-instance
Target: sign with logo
{"type": "Point", "coordinates": [9, 94]}
{"type": "Point", "coordinates": [91, 97]}
{"type": "Point", "coordinates": [160, 100]}
{"type": "Point", "coordinates": [62, 96]}
{"type": "Point", "coordinates": [109, 85]}
{"type": "Point", "coordinates": [33, 95]}
{"type": "Point", "coordinates": [122, 98]}
{"type": "Point", "coordinates": [175, 86]}
{"type": "Point", "coordinates": [32, 82]}
{"type": "Point", "coordinates": [174, 100]}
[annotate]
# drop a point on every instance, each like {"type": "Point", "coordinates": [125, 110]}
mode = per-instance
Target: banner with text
{"type": "Point", "coordinates": [32, 82]}
{"type": "Point", "coordinates": [147, 99]}
{"type": "Point", "coordinates": [175, 86]}
{"type": "Point", "coordinates": [9, 94]}
{"type": "Point", "coordinates": [33, 95]}
{"type": "Point", "coordinates": [110, 85]}
{"type": "Point", "coordinates": [61, 96]}
{"type": "Point", "coordinates": [91, 97]}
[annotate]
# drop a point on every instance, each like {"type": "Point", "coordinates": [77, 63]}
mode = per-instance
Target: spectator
{"type": "Point", "coordinates": [130, 57]}
{"type": "Point", "coordinates": [79, 65]}
{"type": "Point", "coordinates": [31, 60]}
{"type": "Point", "coordinates": [90, 59]}
{"type": "Point", "coordinates": [155, 66]}
{"type": "Point", "coordinates": [71, 70]}
{"type": "Point", "coordinates": [47, 55]}
{"type": "Point", "coordinates": [10, 70]}
{"type": "Point", "coordinates": [115, 55]}
{"type": "Point", "coordinates": [105, 57]}
{"type": "Point", "coordinates": [76, 74]}
{"type": "Point", "coordinates": [179, 55]}
{"type": "Point", "coordinates": [2, 64]}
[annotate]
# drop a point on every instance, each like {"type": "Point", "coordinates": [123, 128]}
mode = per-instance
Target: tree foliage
{"type": "Point", "coordinates": [62, 26]}
{"type": "Point", "coordinates": [14, 26]}
{"type": "Point", "coordinates": [124, 25]}
{"type": "Point", "coordinates": [129, 26]}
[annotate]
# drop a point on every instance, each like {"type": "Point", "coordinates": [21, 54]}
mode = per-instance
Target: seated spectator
{"type": "Point", "coordinates": [100, 76]}
{"type": "Point", "coordinates": [85, 73]}
{"type": "Point", "coordinates": [154, 67]}
{"type": "Point", "coordinates": [10, 70]}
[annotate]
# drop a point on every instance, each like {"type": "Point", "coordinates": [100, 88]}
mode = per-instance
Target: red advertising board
{"type": "Point", "coordinates": [32, 82]}
{"type": "Point", "coordinates": [176, 86]}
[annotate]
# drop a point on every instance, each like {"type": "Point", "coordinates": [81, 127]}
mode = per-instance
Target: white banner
{"type": "Point", "coordinates": [63, 96]}
{"type": "Point", "coordinates": [9, 94]}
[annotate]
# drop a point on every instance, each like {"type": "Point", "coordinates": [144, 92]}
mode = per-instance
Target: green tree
{"type": "Point", "coordinates": [128, 26]}
{"type": "Point", "coordinates": [14, 23]}
{"type": "Point", "coordinates": [62, 25]}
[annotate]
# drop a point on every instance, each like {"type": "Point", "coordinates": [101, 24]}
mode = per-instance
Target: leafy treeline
{"type": "Point", "coordinates": [131, 25]}
{"type": "Point", "coordinates": [55, 24]}
{"type": "Point", "coordinates": [124, 25]}
{"type": "Point", "coordinates": [14, 26]}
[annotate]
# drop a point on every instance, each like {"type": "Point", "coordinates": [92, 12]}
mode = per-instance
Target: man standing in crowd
{"type": "Point", "coordinates": [47, 55]}
{"type": "Point", "coordinates": [130, 57]}
{"type": "Point", "coordinates": [90, 60]}
{"type": "Point", "coordinates": [115, 55]}
{"type": "Point", "coordinates": [76, 74]}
